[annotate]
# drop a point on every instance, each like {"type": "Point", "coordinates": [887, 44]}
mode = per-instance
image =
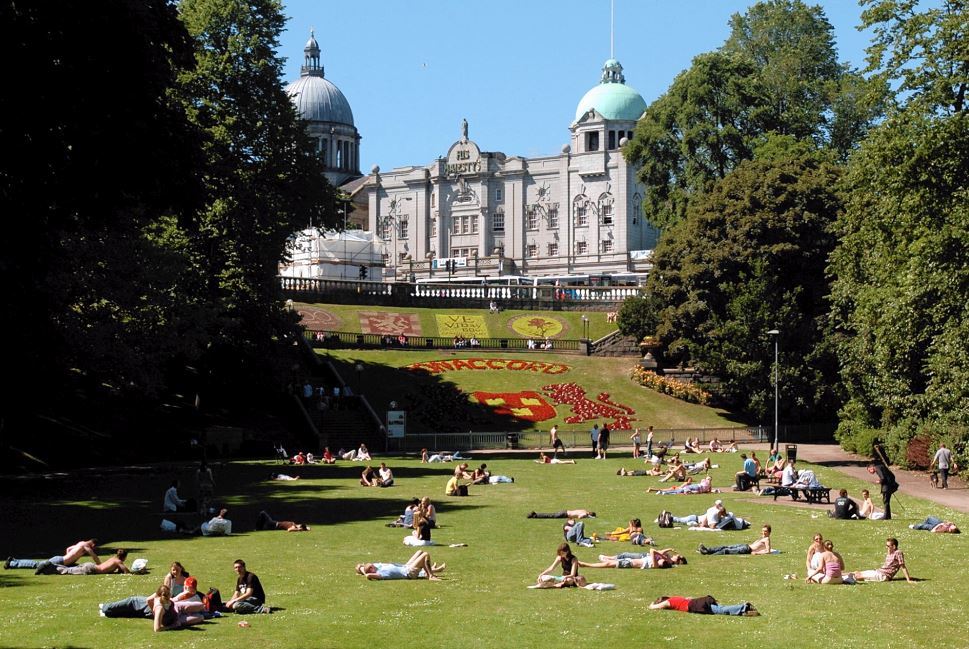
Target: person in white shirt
{"type": "Point", "coordinates": [172, 502]}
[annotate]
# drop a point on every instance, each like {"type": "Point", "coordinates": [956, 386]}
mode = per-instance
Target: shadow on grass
{"type": "Point", "coordinates": [45, 514]}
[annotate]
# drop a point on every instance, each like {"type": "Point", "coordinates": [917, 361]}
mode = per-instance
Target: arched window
{"type": "Point", "coordinates": [606, 203]}
{"type": "Point", "coordinates": [580, 210]}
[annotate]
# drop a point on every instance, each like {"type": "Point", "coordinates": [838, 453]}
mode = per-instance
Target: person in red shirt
{"type": "Point", "coordinates": [706, 605]}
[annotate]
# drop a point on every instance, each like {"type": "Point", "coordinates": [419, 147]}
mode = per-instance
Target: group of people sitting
{"type": "Point", "coordinates": [380, 477]}
{"type": "Point", "coordinates": [826, 566]}
{"type": "Point", "coordinates": [461, 342]}
{"type": "Point", "coordinates": [177, 603]}
{"type": "Point", "coordinates": [463, 477]}
{"type": "Point", "coordinates": [420, 515]}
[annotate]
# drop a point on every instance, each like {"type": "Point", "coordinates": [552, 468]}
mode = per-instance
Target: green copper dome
{"type": "Point", "coordinates": [612, 98]}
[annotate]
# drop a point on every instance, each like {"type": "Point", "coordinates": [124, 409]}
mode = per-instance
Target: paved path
{"type": "Point", "coordinates": [911, 483]}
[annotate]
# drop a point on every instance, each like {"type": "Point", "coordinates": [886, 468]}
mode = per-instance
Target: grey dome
{"type": "Point", "coordinates": [318, 100]}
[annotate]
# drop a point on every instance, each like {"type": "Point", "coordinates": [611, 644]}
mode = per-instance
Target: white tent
{"type": "Point", "coordinates": [334, 255]}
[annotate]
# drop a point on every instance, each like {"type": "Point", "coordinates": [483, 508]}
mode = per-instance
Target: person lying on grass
{"type": "Point", "coordinates": [688, 487]}
{"type": "Point", "coordinates": [419, 566]}
{"type": "Point", "coordinates": [937, 525]}
{"type": "Point", "coordinates": [706, 605]}
{"type": "Point", "coordinates": [635, 527]}
{"type": "Point", "coordinates": [654, 559]}
{"type": "Point", "coordinates": [69, 558]}
{"type": "Point", "coordinates": [565, 513]}
{"type": "Point", "coordinates": [760, 546]}
{"type": "Point", "coordinates": [265, 522]}
{"type": "Point", "coordinates": [544, 459]}
{"type": "Point", "coordinates": [114, 564]}
{"type": "Point", "coordinates": [677, 471]}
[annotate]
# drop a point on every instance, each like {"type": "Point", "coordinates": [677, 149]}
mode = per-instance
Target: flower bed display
{"type": "Point", "coordinates": [679, 389]}
{"type": "Point", "coordinates": [585, 409]}
{"type": "Point", "coordinates": [528, 405]}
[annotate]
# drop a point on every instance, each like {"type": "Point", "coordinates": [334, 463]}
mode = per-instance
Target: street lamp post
{"type": "Point", "coordinates": [585, 328]}
{"type": "Point", "coordinates": [775, 334]}
{"type": "Point", "coordinates": [359, 368]}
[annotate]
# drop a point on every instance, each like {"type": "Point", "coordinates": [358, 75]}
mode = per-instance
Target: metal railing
{"type": "Point", "coordinates": [346, 339]}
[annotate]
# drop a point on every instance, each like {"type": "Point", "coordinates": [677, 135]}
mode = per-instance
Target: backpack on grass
{"type": "Point", "coordinates": [212, 601]}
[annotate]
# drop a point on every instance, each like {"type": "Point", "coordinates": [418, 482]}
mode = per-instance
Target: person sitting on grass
{"type": "Point", "coordinates": [422, 532]}
{"type": "Point", "coordinates": [544, 459]}
{"type": "Point", "coordinates": [704, 605]}
{"type": "Point", "coordinates": [692, 445]}
{"type": "Point", "coordinates": [114, 564]}
{"type": "Point", "coordinates": [47, 566]}
{"type": "Point", "coordinates": [328, 456]}
{"type": "Point", "coordinates": [894, 561]}
{"type": "Point", "coordinates": [937, 525]}
{"type": "Point", "coordinates": [565, 513]}
{"type": "Point", "coordinates": [654, 559]}
{"type": "Point", "coordinates": [454, 487]}
{"type": "Point", "coordinates": [369, 477]}
{"type": "Point", "coordinates": [867, 508]}
{"type": "Point", "coordinates": [265, 522]}
{"type": "Point", "coordinates": [175, 579]}
{"type": "Point", "coordinates": [480, 475]}
{"type": "Point", "coordinates": [407, 518]}
{"type": "Point", "coordinates": [385, 477]}
{"type": "Point", "coordinates": [688, 487]}
{"type": "Point", "coordinates": [677, 471]}
{"type": "Point", "coordinates": [249, 597]}
{"type": "Point", "coordinates": [175, 504]}
{"type": "Point", "coordinates": [831, 568]}
{"type": "Point", "coordinates": [570, 571]}
{"type": "Point", "coordinates": [428, 511]}
{"type": "Point", "coordinates": [844, 507]}
{"type": "Point", "coordinates": [760, 546]}
{"type": "Point", "coordinates": [189, 604]}
{"type": "Point", "coordinates": [419, 566]}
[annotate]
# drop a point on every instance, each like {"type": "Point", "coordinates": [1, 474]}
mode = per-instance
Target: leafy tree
{"type": "Point", "coordinates": [926, 53]}
{"type": "Point", "coordinates": [749, 257]}
{"type": "Point", "coordinates": [901, 275]}
{"type": "Point", "coordinates": [94, 160]}
{"type": "Point", "coordinates": [901, 270]}
{"type": "Point", "coordinates": [639, 316]}
{"type": "Point", "coordinates": [264, 180]}
{"type": "Point", "coordinates": [777, 73]}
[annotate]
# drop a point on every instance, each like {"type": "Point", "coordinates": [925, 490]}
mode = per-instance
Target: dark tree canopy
{"type": "Point", "coordinates": [748, 258]}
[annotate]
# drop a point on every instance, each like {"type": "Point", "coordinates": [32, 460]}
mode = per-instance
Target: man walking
{"type": "Point", "coordinates": [885, 478]}
{"type": "Point", "coordinates": [943, 458]}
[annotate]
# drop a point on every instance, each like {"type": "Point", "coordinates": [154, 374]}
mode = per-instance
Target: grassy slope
{"type": "Point", "coordinates": [483, 602]}
{"type": "Point", "coordinates": [382, 382]}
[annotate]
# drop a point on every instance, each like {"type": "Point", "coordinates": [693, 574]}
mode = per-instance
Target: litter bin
{"type": "Point", "coordinates": [792, 452]}
{"type": "Point", "coordinates": [511, 440]}
{"type": "Point", "coordinates": [504, 343]}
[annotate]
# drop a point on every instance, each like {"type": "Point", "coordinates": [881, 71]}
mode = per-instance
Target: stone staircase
{"type": "Point", "coordinates": [615, 344]}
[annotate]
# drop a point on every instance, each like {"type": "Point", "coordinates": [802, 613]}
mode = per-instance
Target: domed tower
{"type": "Point", "coordinates": [329, 118]}
{"type": "Point", "coordinates": [607, 113]}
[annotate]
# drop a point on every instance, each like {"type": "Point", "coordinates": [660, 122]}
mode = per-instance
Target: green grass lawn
{"type": "Point", "coordinates": [483, 600]}
{"type": "Point", "coordinates": [383, 380]}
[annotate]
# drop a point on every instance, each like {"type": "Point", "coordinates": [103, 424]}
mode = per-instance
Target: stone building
{"type": "Point", "coordinates": [578, 212]}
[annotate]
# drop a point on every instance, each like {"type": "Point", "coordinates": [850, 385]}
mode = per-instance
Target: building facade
{"type": "Point", "coordinates": [486, 213]}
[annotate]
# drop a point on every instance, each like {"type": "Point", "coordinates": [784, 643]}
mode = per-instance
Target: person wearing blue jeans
{"type": "Point", "coordinates": [760, 546]}
{"type": "Point", "coordinates": [575, 533]}
{"type": "Point", "coordinates": [47, 566]}
{"type": "Point", "coordinates": [134, 606]}
{"type": "Point", "coordinates": [704, 605]}
{"type": "Point", "coordinates": [928, 524]}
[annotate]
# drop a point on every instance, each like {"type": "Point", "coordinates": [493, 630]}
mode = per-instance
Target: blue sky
{"type": "Point", "coordinates": [412, 69]}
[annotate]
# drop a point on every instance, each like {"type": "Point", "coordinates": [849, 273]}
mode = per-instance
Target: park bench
{"type": "Point", "coordinates": [811, 494]}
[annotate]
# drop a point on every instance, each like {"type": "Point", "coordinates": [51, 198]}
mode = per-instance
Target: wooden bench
{"type": "Point", "coordinates": [812, 495]}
